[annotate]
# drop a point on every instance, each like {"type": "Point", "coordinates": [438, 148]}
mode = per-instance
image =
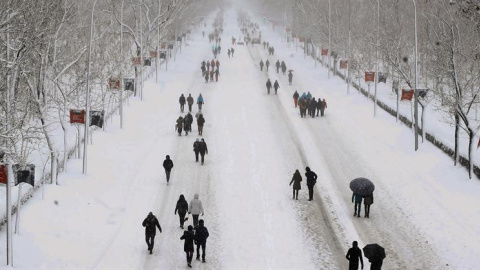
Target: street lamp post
{"type": "Point", "coordinates": [87, 98]}
{"type": "Point", "coordinates": [329, 48]}
{"type": "Point", "coordinates": [349, 41]}
{"type": "Point", "coordinates": [376, 60]}
{"type": "Point", "coordinates": [416, 74]}
{"type": "Point", "coordinates": [121, 67]}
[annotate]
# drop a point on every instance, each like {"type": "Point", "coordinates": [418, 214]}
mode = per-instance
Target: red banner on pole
{"type": "Point", "coordinates": [302, 39]}
{"type": "Point", "coordinates": [369, 76]}
{"type": "Point", "coordinates": [343, 64]}
{"type": "Point", "coordinates": [163, 46]}
{"type": "Point", "coordinates": [3, 174]}
{"type": "Point", "coordinates": [77, 116]}
{"type": "Point", "coordinates": [136, 61]}
{"type": "Point", "coordinates": [114, 83]}
{"type": "Point", "coordinates": [407, 94]}
{"type": "Point", "coordinates": [153, 54]}
{"type": "Point", "coordinates": [324, 51]}
{"type": "Point", "coordinates": [294, 35]}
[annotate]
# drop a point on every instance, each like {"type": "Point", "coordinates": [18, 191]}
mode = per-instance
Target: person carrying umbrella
{"type": "Point", "coordinates": [353, 255]}
{"type": "Point", "coordinates": [357, 198]}
{"type": "Point", "coordinates": [375, 254]}
{"type": "Point", "coordinates": [367, 201]}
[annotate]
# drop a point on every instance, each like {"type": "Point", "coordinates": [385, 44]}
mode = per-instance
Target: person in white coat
{"type": "Point", "coordinates": [195, 208]}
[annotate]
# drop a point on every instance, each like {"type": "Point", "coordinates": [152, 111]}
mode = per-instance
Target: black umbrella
{"type": "Point", "coordinates": [374, 251]}
{"type": "Point", "coordinates": [362, 186]}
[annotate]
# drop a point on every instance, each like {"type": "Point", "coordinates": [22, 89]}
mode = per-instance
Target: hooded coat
{"type": "Point", "coordinates": [182, 206]}
{"type": "Point", "coordinates": [189, 237]}
{"type": "Point", "coordinates": [201, 234]}
{"type": "Point", "coordinates": [296, 180]}
{"type": "Point", "coordinates": [195, 207]}
{"type": "Point", "coordinates": [150, 223]}
{"type": "Point", "coordinates": [168, 164]}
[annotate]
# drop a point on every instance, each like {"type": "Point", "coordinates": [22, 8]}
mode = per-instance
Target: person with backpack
{"type": "Point", "coordinates": [181, 100]}
{"type": "Point", "coordinates": [201, 235]}
{"type": "Point", "coordinates": [200, 102]}
{"type": "Point", "coordinates": [151, 224]}
{"type": "Point", "coordinates": [311, 181]}
{"type": "Point", "coordinates": [195, 208]}
{"type": "Point", "coordinates": [353, 255]}
{"type": "Point", "coordinates": [276, 86]}
{"type": "Point", "coordinates": [296, 180]}
{"type": "Point", "coordinates": [168, 165]}
{"type": "Point", "coordinates": [200, 123]}
{"type": "Point", "coordinates": [269, 85]}
{"type": "Point", "coordinates": [202, 147]}
{"type": "Point", "coordinates": [190, 102]}
{"type": "Point", "coordinates": [182, 209]}
{"type": "Point", "coordinates": [188, 247]}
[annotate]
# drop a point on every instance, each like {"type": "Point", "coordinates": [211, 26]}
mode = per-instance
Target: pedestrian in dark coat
{"type": "Point", "coordinates": [312, 107]}
{"type": "Point", "coordinates": [200, 123]}
{"type": "Point", "coordinates": [196, 149]}
{"type": "Point", "coordinates": [303, 107]}
{"type": "Point", "coordinates": [179, 126]}
{"type": "Point", "coordinates": [267, 64]}
{"type": "Point", "coordinates": [181, 100]}
{"type": "Point", "coordinates": [211, 75]}
{"type": "Point", "coordinates": [188, 247]}
{"type": "Point", "coordinates": [201, 235]}
{"type": "Point", "coordinates": [357, 198]}
{"type": "Point", "coordinates": [319, 105]}
{"type": "Point", "coordinates": [376, 263]}
{"type": "Point", "coordinates": [182, 209]}
{"type": "Point", "coordinates": [232, 50]}
{"type": "Point", "coordinates": [353, 255]}
{"type": "Point", "coordinates": [168, 165]}
{"type": "Point", "coordinates": [151, 224]}
{"type": "Point", "coordinates": [228, 53]}
{"type": "Point", "coordinates": [203, 149]}
{"type": "Point", "coordinates": [269, 85]}
{"type": "Point", "coordinates": [296, 180]}
{"type": "Point", "coordinates": [295, 98]}
{"type": "Point", "coordinates": [206, 77]}
{"type": "Point", "coordinates": [311, 181]}
{"type": "Point", "coordinates": [367, 201]}
{"type": "Point", "coordinates": [324, 106]}
{"type": "Point", "coordinates": [190, 102]}
{"type": "Point", "coordinates": [216, 75]}
{"type": "Point", "coordinates": [276, 86]}
{"type": "Point", "coordinates": [277, 65]}
{"type": "Point", "coordinates": [284, 68]}
{"type": "Point", "coordinates": [208, 65]}
{"type": "Point", "coordinates": [261, 65]}
{"type": "Point", "coordinates": [290, 77]}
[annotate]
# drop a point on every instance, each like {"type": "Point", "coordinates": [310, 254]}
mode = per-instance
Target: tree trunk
{"type": "Point", "coordinates": [471, 136]}
{"type": "Point", "coordinates": [457, 131]}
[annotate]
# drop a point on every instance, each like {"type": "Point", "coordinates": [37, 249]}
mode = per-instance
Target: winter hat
{"type": "Point", "coordinates": [307, 168]}
{"type": "Point", "coordinates": [201, 222]}
{"type": "Point", "coordinates": [167, 157]}
{"type": "Point", "coordinates": [203, 140]}
{"type": "Point", "coordinates": [190, 228]}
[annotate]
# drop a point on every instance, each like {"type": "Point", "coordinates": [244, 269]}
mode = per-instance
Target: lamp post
{"type": "Point", "coordinates": [416, 73]}
{"type": "Point", "coordinates": [87, 98]}
{"type": "Point", "coordinates": [349, 41]}
{"type": "Point", "coordinates": [329, 48]}
{"type": "Point", "coordinates": [376, 60]}
{"type": "Point", "coordinates": [121, 67]}
{"type": "Point", "coordinates": [9, 166]}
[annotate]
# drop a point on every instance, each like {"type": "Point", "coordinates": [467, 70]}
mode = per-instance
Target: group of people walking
{"type": "Point", "coordinates": [297, 180]}
{"type": "Point", "coordinates": [185, 123]}
{"type": "Point", "coordinates": [276, 85]}
{"type": "Point", "coordinates": [307, 103]}
{"type": "Point", "coordinates": [210, 69]}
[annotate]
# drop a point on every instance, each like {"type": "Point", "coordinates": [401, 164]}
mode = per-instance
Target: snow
{"type": "Point", "coordinates": [425, 213]}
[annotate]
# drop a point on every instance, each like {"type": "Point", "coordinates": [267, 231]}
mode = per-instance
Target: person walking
{"type": "Point", "coordinates": [200, 102]}
{"type": "Point", "coordinates": [228, 53]}
{"type": "Point", "coordinates": [324, 106]}
{"type": "Point", "coordinates": [284, 67]}
{"type": "Point", "coordinates": [276, 86]}
{"type": "Point", "coordinates": [232, 50]}
{"type": "Point", "coordinates": [206, 76]}
{"type": "Point", "coordinates": [261, 65]}
{"type": "Point", "coordinates": [367, 201]}
{"type": "Point", "coordinates": [190, 102]}
{"type": "Point", "coordinates": [181, 100]}
{"type": "Point", "coordinates": [200, 123]}
{"type": "Point", "coordinates": [312, 107]}
{"type": "Point", "coordinates": [179, 126]}
{"type": "Point", "coordinates": [168, 165]}
{"type": "Point", "coordinates": [216, 75]}
{"type": "Point", "coordinates": [290, 77]}
{"type": "Point", "coordinates": [277, 65]}
{"type": "Point", "coordinates": [267, 64]}
{"type": "Point", "coordinates": [354, 254]}
{"type": "Point", "coordinates": [296, 180]}
{"type": "Point", "coordinates": [375, 263]}
{"type": "Point", "coordinates": [195, 208]}
{"type": "Point", "coordinates": [303, 107]}
{"type": "Point", "coordinates": [196, 149]}
{"type": "Point", "coordinates": [182, 209]}
{"type": "Point", "coordinates": [319, 105]}
{"type": "Point", "coordinates": [188, 247]}
{"type": "Point", "coordinates": [357, 198]}
{"type": "Point", "coordinates": [202, 147]}
{"type": "Point", "coordinates": [295, 98]}
{"type": "Point", "coordinates": [151, 224]}
{"type": "Point", "coordinates": [311, 181]}
{"type": "Point", "coordinates": [201, 235]}
{"type": "Point", "coordinates": [269, 85]}
{"type": "Point", "coordinates": [212, 72]}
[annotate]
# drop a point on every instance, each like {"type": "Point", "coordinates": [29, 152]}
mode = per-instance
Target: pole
{"type": "Point", "coordinates": [87, 98]}
{"type": "Point", "coordinates": [416, 75]}
{"type": "Point", "coordinates": [17, 220]}
{"type": "Point", "coordinates": [349, 42]}
{"type": "Point", "coordinates": [141, 53]}
{"type": "Point", "coordinates": [158, 42]}
{"type": "Point", "coordinates": [376, 60]}
{"type": "Point", "coordinates": [121, 67]}
{"type": "Point", "coordinates": [329, 48]}
{"type": "Point", "coordinates": [9, 166]}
